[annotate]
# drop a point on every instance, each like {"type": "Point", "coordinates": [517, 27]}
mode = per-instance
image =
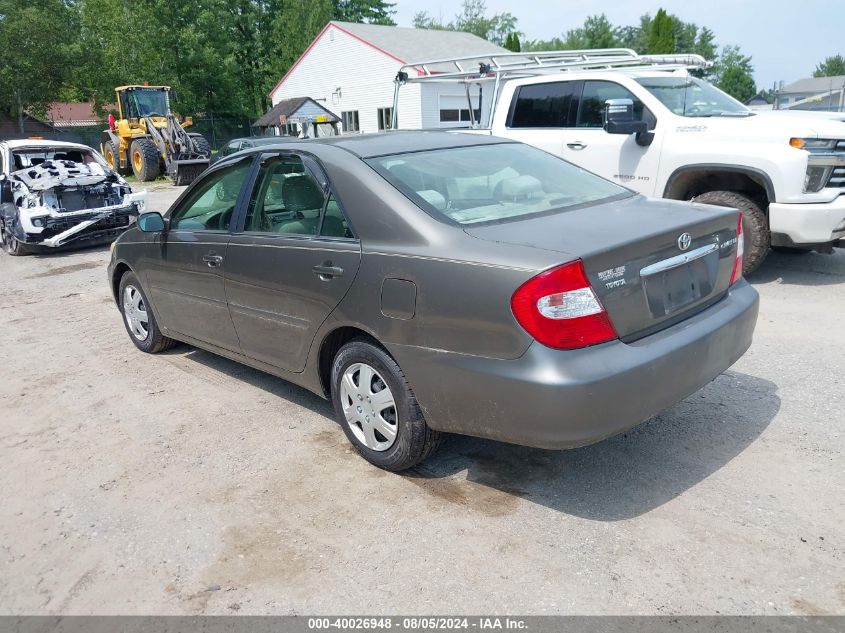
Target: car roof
{"type": "Point", "coordinates": [387, 143]}
{"type": "Point", "coordinates": [32, 142]}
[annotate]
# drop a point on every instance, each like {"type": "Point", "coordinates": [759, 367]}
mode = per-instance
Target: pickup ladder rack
{"type": "Point", "coordinates": [478, 69]}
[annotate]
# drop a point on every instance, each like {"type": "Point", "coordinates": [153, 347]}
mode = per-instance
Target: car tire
{"type": "Point", "coordinates": [755, 225]}
{"type": "Point", "coordinates": [145, 159]}
{"type": "Point", "coordinates": [147, 337]}
{"type": "Point", "coordinates": [398, 438]}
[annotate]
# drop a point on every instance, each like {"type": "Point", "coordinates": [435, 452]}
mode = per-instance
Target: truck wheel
{"type": "Point", "coordinates": [377, 409]}
{"type": "Point", "coordinates": [145, 159]}
{"type": "Point", "coordinates": [755, 225]}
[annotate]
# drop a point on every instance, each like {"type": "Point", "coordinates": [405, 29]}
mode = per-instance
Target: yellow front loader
{"type": "Point", "coordinates": [149, 139]}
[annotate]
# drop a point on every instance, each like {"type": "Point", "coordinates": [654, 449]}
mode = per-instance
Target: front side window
{"type": "Point", "coordinates": [287, 198]}
{"type": "Point", "coordinates": [693, 97]}
{"type": "Point", "coordinates": [490, 183]}
{"type": "Point", "coordinates": [545, 105]}
{"type": "Point", "coordinates": [592, 105]}
{"type": "Point", "coordinates": [231, 148]}
{"type": "Point", "coordinates": [146, 102]}
{"type": "Point", "coordinates": [210, 205]}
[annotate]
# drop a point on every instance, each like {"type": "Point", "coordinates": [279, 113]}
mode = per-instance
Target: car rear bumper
{"type": "Point", "coordinates": [809, 223]}
{"type": "Point", "coordinates": [563, 399]}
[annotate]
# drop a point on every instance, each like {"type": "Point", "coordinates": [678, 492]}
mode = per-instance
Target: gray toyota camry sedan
{"type": "Point", "coordinates": [430, 282]}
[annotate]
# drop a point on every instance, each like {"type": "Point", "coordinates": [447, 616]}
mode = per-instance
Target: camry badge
{"type": "Point", "coordinates": [684, 241]}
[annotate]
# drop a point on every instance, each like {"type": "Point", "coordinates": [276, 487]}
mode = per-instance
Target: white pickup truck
{"type": "Point", "coordinates": [646, 122]}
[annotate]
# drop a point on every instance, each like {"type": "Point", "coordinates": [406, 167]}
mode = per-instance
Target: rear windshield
{"type": "Point", "coordinates": [488, 183]}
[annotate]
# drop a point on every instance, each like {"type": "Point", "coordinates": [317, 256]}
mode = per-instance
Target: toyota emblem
{"type": "Point", "coordinates": [684, 241]}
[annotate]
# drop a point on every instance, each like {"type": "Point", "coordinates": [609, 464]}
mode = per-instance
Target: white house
{"type": "Point", "coordinates": [349, 69]}
{"type": "Point", "coordinates": [814, 93]}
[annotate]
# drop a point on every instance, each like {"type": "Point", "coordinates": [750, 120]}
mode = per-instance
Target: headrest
{"type": "Point", "coordinates": [301, 193]}
{"type": "Point", "coordinates": [434, 198]}
{"type": "Point", "coordinates": [519, 187]}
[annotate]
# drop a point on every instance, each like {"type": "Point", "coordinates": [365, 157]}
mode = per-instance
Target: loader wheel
{"type": "Point", "coordinates": [145, 159]}
{"type": "Point", "coordinates": [202, 145]}
{"type": "Point", "coordinates": [111, 156]}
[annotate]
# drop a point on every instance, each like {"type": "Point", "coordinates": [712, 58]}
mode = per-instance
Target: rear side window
{"type": "Point", "coordinates": [592, 104]}
{"type": "Point", "coordinates": [545, 105]}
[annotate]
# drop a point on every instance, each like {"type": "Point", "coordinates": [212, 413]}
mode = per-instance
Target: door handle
{"type": "Point", "coordinates": [577, 145]}
{"type": "Point", "coordinates": [212, 260]}
{"type": "Point", "coordinates": [326, 271]}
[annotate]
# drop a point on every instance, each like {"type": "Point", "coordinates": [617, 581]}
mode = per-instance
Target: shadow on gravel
{"type": "Point", "coordinates": [619, 478]}
{"type": "Point", "coordinates": [802, 269]}
{"type": "Point", "coordinates": [627, 475]}
{"type": "Point", "coordinates": [255, 377]}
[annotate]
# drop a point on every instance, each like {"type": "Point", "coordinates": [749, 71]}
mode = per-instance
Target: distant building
{"type": "Point", "coordinates": [10, 127]}
{"type": "Point", "coordinates": [815, 93]}
{"type": "Point", "coordinates": [759, 102]}
{"type": "Point", "coordinates": [299, 116]}
{"type": "Point", "coordinates": [349, 68]}
{"type": "Point", "coordinates": [81, 114]}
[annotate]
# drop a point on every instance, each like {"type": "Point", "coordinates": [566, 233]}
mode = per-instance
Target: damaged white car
{"type": "Point", "coordinates": [55, 194]}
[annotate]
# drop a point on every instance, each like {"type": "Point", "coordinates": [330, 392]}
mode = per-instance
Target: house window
{"type": "Point", "coordinates": [350, 121]}
{"type": "Point", "coordinates": [385, 116]}
{"type": "Point", "coordinates": [454, 115]}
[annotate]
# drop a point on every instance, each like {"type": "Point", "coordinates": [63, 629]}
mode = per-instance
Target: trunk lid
{"type": "Point", "coordinates": [632, 253]}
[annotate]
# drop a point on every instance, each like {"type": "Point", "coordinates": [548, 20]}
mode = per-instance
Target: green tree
{"type": "Point", "coordinates": [512, 43]}
{"type": "Point", "coordinates": [39, 40]}
{"type": "Point", "coordinates": [733, 73]}
{"type": "Point", "coordinates": [635, 37]}
{"type": "Point", "coordinates": [830, 67]}
{"type": "Point", "coordinates": [369, 11]}
{"type": "Point", "coordinates": [472, 19]}
{"type": "Point", "coordinates": [661, 37]}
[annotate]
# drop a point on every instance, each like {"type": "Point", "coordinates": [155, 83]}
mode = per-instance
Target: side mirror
{"type": "Point", "coordinates": [619, 119]}
{"type": "Point", "coordinates": [151, 222]}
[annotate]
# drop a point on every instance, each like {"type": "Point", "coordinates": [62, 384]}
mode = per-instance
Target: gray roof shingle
{"type": "Point", "coordinates": [814, 85]}
{"type": "Point", "coordinates": [411, 45]}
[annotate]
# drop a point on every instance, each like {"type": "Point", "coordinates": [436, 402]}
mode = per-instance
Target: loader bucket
{"type": "Point", "coordinates": [185, 171]}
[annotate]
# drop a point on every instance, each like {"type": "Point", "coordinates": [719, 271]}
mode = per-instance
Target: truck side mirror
{"type": "Point", "coordinates": [151, 222]}
{"type": "Point", "coordinates": [619, 119]}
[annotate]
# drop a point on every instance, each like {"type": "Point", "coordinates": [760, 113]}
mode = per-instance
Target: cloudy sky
{"type": "Point", "coordinates": [785, 39]}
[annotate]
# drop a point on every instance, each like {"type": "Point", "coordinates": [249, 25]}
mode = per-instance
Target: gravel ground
{"type": "Point", "coordinates": [185, 483]}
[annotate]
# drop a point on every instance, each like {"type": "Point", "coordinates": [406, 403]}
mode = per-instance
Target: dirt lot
{"type": "Point", "coordinates": [185, 483]}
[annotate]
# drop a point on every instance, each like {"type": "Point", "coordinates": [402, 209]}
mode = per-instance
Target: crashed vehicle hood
{"type": "Point", "coordinates": [66, 173]}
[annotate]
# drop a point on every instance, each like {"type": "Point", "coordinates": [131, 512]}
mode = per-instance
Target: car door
{"type": "Point", "coordinates": [291, 264]}
{"type": "Point", "coordinates": [616, 157]}
{"type": "Point", "coordinates": [185, 280]}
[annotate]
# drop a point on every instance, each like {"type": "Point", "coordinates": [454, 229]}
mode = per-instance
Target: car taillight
{"type": "Point", "coordinates": [559, 309]}
{"type": "Point", "coordinates": [736, 275]}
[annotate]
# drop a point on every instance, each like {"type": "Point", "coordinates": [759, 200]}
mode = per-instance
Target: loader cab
{"type": "Point", "coordinates": [134, 102]}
